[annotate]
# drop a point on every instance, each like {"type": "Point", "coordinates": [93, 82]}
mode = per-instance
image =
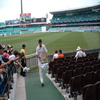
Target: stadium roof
{"type": "Point", "coordinates": [76, 10]}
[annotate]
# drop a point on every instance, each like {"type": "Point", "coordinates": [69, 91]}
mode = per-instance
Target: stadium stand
{"type": "Point", "coordinates": [76, 75]}
{"type": "Point", "coordinates": [83, 19]}
{"type": "Point", "coordinates": [76, 29]}
{"type": "Point", "coordinates": [9, 29]}
{"type": "Point", "coordinates": [2, 24]}
{"type": "Point", "coordinates": [38, 29]}
{"type": "Point", "coordinates": [76, 18]}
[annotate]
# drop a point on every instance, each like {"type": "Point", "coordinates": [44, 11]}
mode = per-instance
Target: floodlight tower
{"type": "Point", "coordinates": [21, 7]}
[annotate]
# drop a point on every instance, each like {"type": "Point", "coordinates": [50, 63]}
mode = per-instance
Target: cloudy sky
{"type": "Point", "coordinates": [10, 9]}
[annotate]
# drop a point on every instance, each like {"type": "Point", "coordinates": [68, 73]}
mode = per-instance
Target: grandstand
{"type": "Point", "coordinates": [83, 19]}
{"type": "Point", "coordinates": [77, 20]}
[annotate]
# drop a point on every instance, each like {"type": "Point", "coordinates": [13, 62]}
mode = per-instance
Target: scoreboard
{"type": "Point", "coordinates": [26, 17]}
{"type": "Point", "coordinates": [35, 20]}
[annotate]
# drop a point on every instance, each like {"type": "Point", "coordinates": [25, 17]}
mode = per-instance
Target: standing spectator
{"type": "Point", "coordinates": [2, 65]}
{"type": "Point", "coordinates": [80, 53]}
{"type": "Point", "coordinates": [5, 54]}
{"type": "Point", "coordinates": [23, 60]}
{"type": "Point", "coordinates": [60, 54]}
{"type": "Point", "coordinates": [41, 53]}
{"type": "Point", "coordinates": [55, 56]}
{"type": "Point", "coordinates": [9, 48]}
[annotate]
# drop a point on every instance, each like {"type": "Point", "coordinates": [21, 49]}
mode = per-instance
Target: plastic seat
{"type": "Point", "coordinates": [60, 71]}
{"type": "Point", "coordinates": [75, 85]}
{"type": "Point", "coordinates": [67, 75]}
{"type": "Point", "coordinates": [96, 76]}
{"type": "Point", "coordinates": [89, 92]}
{"type": "Point", "coordinates": [97, 90]}
{"type": "Point", "coordinates": [77, 71]}
{"type": "Point", "coordinates": [86, 69]}
{"type": "Point", "coordinates": [51, 65]}
{"type": "Point", "coordinates": [87, 78]}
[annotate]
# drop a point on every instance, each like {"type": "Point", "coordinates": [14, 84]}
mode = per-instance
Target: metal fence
{"type": "Point", "coordinates": [32, 59]}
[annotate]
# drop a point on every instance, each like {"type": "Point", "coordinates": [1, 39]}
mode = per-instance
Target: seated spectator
{"type": "Point", "coordinates": [5, 54]}
{"type": "Point", "coordinates": [60, 54]}
{"type": "Point", "coordinates": [55, 56]}
{"type": "Point", "coordinates": [99, 55]}
{"type": "Point", "coordinates": [80, 53]}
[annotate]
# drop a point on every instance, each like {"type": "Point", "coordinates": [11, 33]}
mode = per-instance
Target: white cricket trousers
{"type": "Point", "coordinates": [40, 72]}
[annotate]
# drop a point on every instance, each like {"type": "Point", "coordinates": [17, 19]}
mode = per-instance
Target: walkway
{"type": "Point", "coordinates": [35, 91]}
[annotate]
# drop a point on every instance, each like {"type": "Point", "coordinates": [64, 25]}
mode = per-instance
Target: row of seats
{"type": "Point", "coordinates": [73, 29]}
{"type": "Point", "coordinates": [76, 74]}
{"type": "Point", "coordinates": [2, 24]}
{"type": "Point", "coordinates": [17, 30]}
{"type": "Point", "coordinates": [76, 18]}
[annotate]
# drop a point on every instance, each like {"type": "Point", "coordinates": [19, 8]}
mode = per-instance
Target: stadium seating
{"type": "Point", "coordinates": [9, 29]}
{"type": "Point", "coordinates": [75, 75]}
{"type": "Point", "coordinates": [2, 29]}
{"type": "Point", "coordinates": [17, 29]}
{"type": "Point", "coordinates": [24, 29]}
{"type": "Point", "coordinates": [38, 29]}
{"type": "Point", "coordinates": [76, 18]}
{"type": "Point", "coordinates": [32, 29]}
{"type": "Point", "coordinates": [2, 24]}
{"type": "Point", "coordinates": [77, 29]}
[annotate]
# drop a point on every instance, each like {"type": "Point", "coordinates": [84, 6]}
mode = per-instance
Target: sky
{"type": "Point", "coordinates": [10, 9]}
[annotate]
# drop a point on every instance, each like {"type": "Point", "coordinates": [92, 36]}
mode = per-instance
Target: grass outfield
{"type": "Point", "coordinates": [67, 41]}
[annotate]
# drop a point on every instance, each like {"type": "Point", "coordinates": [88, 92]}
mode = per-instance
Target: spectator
{"type": "Point", "coordinates": [80, 53]}
{"type": "Point", "coordinates": [1, 53]}
{"type": "Point", "coordinates": [16, 56]}
{"type": "Point", "coordinates": [5, 54]}
{"type": "Point", "coordinates": [23, 60]}
{"type": "Point", "coordinates": [2, 65]}
{"type": "Point", "coordinates": [60, 54]}
{"type": "Point", "coordinates": [55, 56]}
{"type": "Point", "coordinates": [9, 48]}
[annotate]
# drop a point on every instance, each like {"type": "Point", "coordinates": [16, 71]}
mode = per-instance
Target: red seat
{"type": "Point", "coordinates": [98, 90]}
{"type": "Point", "coordinates": [86, 69]}
{"type": "Point", "coordinates": [89, 92]}
{"type": "Point", "coordinates": [77, 71]}
{"type": "Point", "coordinates": [87, 78]}
{"type": "Point", "coordinates": [67, 75]}
{"type": "Point", "coordinates": [96, 76]}
{"type": "Point", "coordinates": [75, 85]}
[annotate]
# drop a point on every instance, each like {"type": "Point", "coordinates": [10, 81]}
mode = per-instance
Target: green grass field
{"type": "Point", "coordinates": [67, 41]}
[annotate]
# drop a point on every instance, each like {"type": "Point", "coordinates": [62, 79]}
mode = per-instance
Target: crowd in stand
{"type": "Point", "coordinates": [9, 62]}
